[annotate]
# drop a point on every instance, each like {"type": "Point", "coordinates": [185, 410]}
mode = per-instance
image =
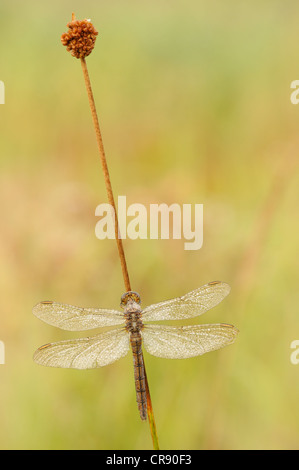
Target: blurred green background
{"type": "Point", "coordinates": [194, 106]}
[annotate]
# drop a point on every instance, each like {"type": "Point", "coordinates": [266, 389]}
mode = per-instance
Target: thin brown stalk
{"type": "Point", "coordinates": [150, 412]}
{"type": "Point", "coordinates": [150, 415]}
{"type": "Point", "coordinates": [106, 174]}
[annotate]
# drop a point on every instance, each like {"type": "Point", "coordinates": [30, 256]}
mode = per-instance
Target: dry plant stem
{"type": "Point", "coordinates": [117, 237]}
{"type": "Point", "coordinates": [150, 414]}
{"type": "Point", "coordinates": [106, 174]}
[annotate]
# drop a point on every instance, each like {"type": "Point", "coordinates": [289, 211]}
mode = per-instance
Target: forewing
{"type": "Point", "coordinates": [85, 353]}
{"type": "Point", "coordinates": [190, 305]}
{"type": "Point", "coordinates": [181, 342]}
{"type": "Point", "coordinates": [71, 318]}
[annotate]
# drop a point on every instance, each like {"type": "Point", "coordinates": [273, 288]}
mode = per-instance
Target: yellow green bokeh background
{"type": "Point", "coordinates": [194, 106]}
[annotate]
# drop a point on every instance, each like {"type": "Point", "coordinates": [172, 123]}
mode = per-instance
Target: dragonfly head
{"type": "Point", "coordinates": [129, 296]}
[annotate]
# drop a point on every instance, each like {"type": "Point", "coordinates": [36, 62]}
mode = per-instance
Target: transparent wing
{"type": "Point", "coordinates": [71, 318]}
{"type": "Point", "coordinates": [190, 305]}
{"type": "Point", "coordinates": [85, 353]}
{"type": "Point", "coordinates": [181, 342]}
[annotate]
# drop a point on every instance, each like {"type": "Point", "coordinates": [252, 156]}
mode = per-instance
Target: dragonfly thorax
{"type": "Point", "coordinates": [132, 314]}
{"type": "Point", "coordinates": [130, 302]}
{"type": "Point", "coordinates": [134, 324]}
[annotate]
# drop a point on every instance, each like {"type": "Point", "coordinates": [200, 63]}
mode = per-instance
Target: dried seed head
{"type": "Point", "coordinates": [80, 38]}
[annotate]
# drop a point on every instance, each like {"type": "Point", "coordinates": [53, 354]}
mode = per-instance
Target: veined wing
{"type": "Point", "coordinates": [172, 342]}
{"type": "Point", "coordinates": [85, 353]}
{"type": "Point", "coordinates": [71, 318]}
{"type": "Point", "coordinates": [190, 305]}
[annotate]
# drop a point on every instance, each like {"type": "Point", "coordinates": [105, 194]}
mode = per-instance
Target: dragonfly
{"type": "Point", "coordinates": [165, 341]}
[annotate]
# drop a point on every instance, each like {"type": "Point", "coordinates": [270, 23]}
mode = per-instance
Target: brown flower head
{"type": "Point", "coordinates": [80, 38]}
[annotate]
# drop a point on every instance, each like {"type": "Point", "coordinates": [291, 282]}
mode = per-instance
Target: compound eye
{"type": "Point", "coordinates": [124, 300]}
{"type": "Point", "coordinates": [135, 297]}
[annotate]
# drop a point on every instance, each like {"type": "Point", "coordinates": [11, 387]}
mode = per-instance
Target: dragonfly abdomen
{"type": "Point", "coordinates": [134, 325]}
{"type": "Point", "coordinates": [139, 373]}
